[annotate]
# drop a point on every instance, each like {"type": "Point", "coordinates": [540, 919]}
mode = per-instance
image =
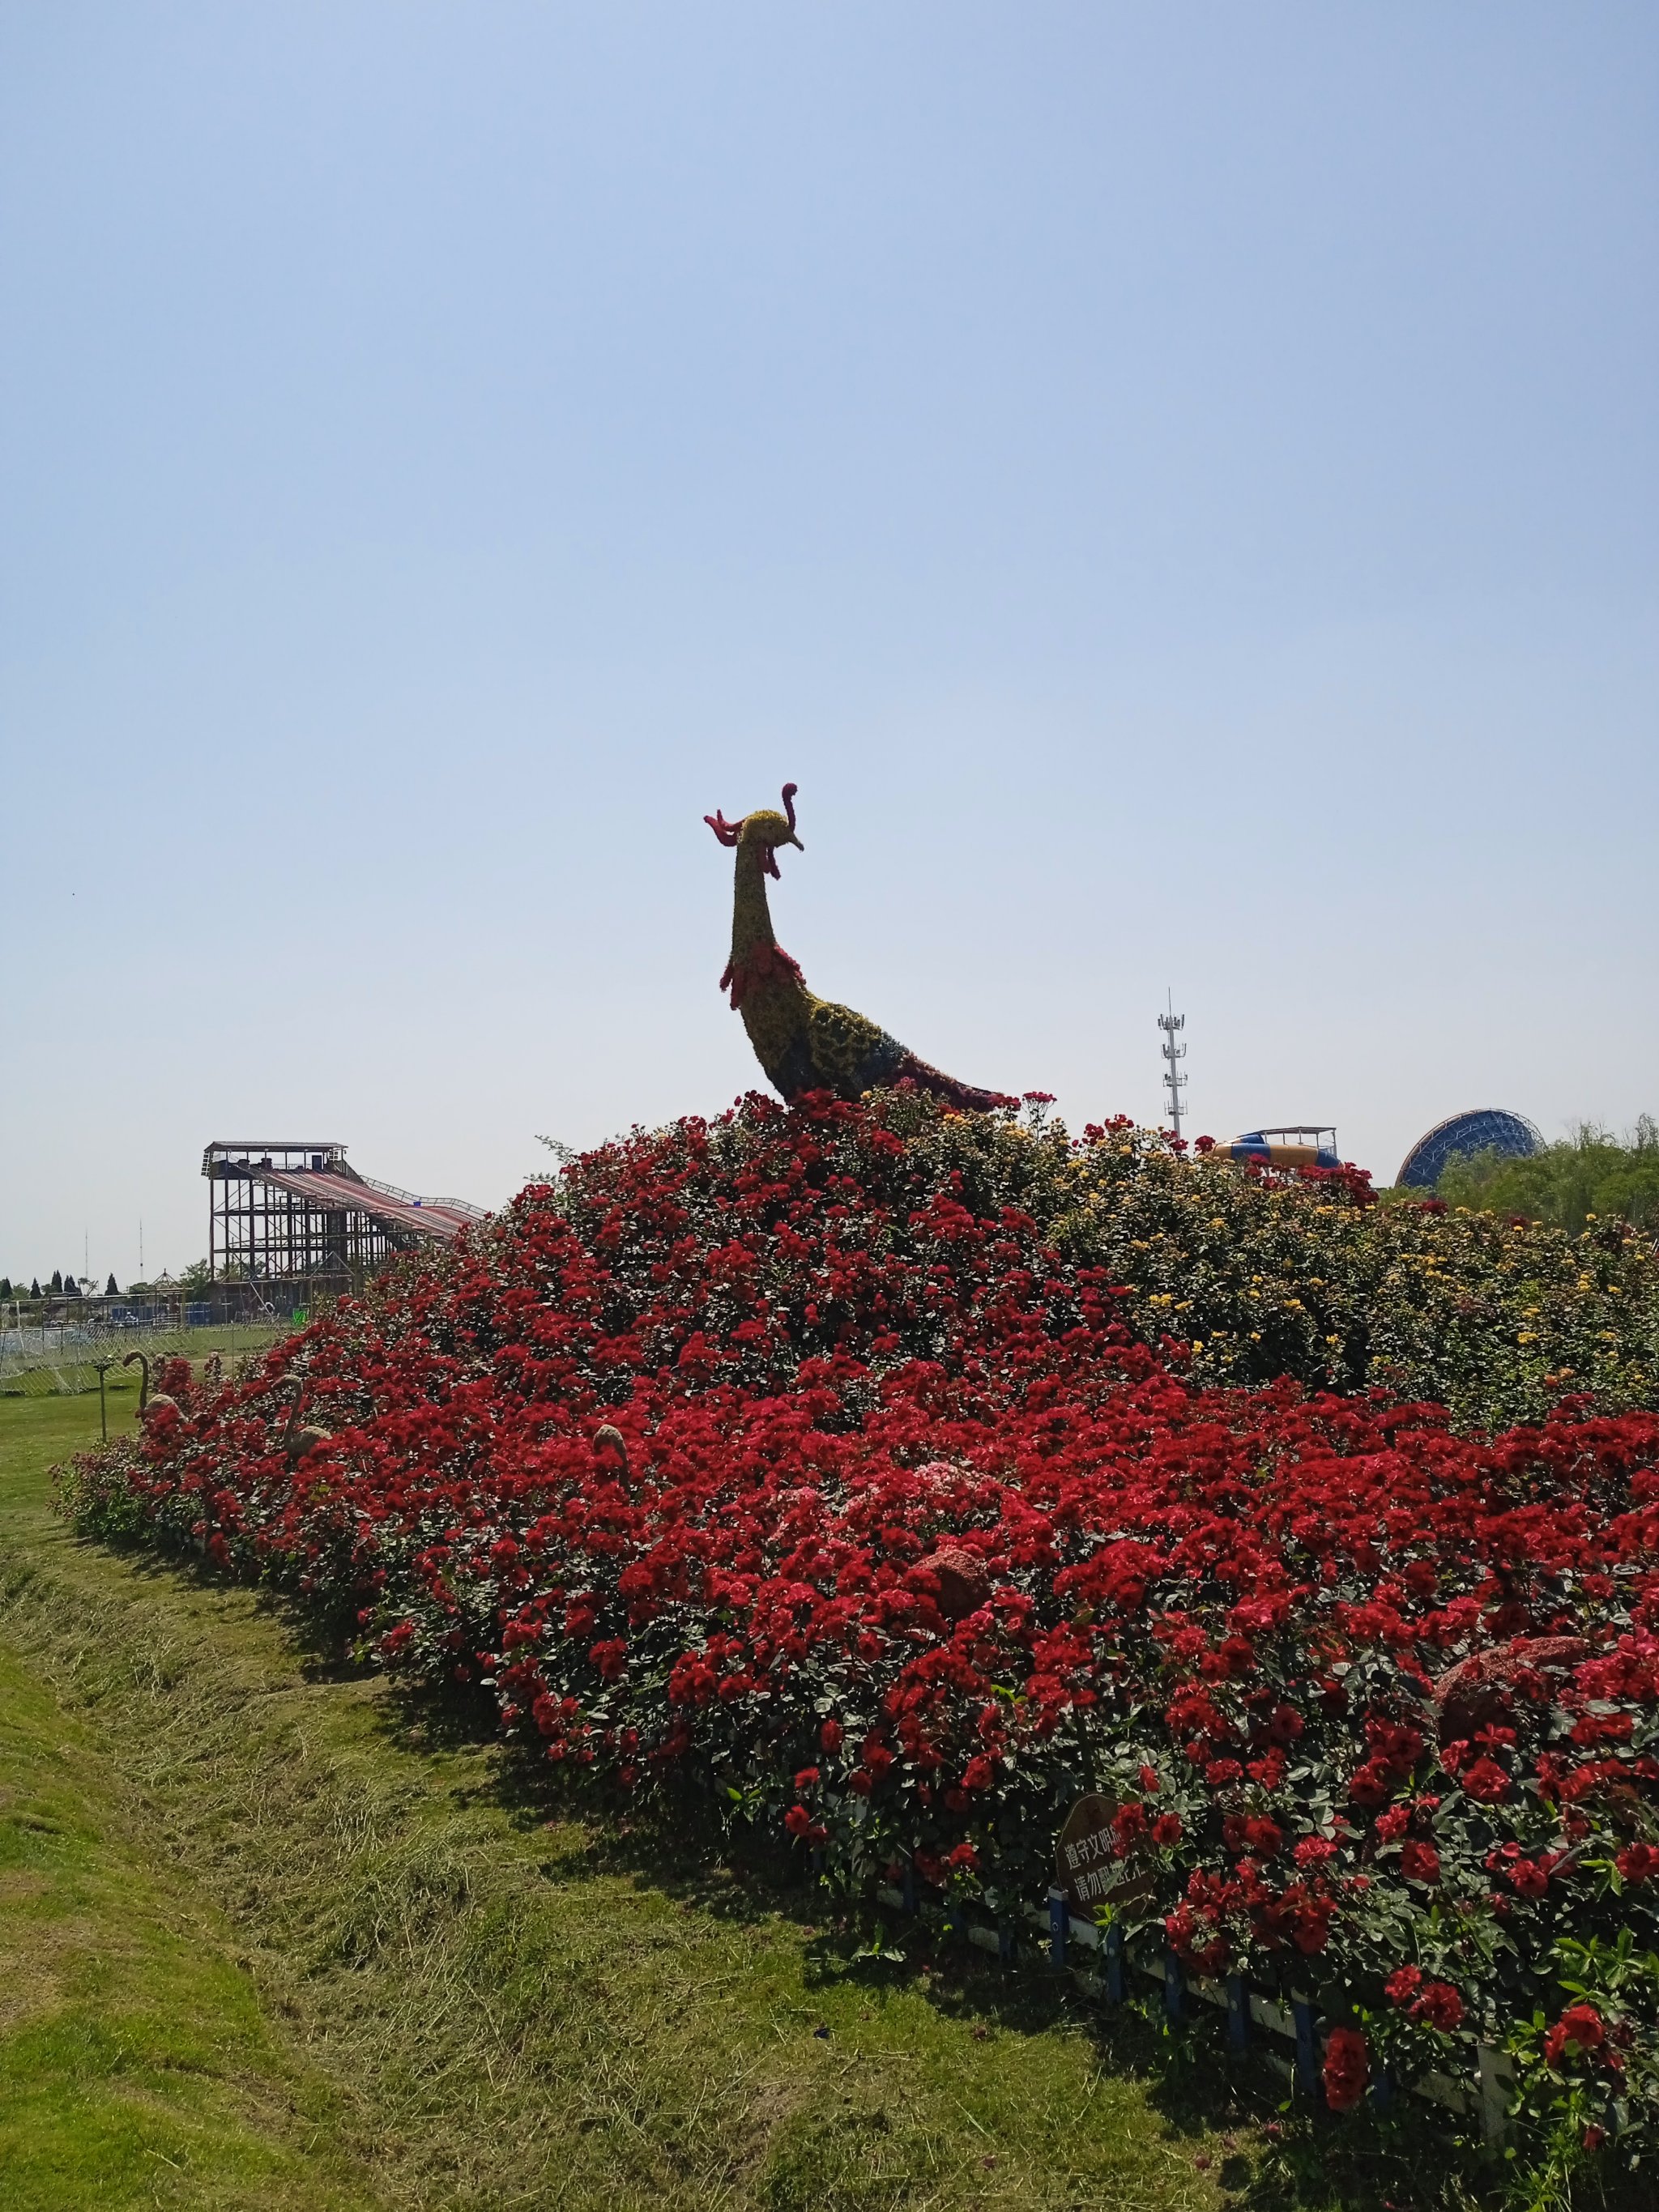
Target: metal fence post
{"type": "Point", "coordinates": [1495, 2079]}
{"type": "Point", "coordinates": [1175, 1988]}
{"type": "Point", "coordinates": [1059, 1927]}
{"type": "Point", "coordinates": [1307, 2046]}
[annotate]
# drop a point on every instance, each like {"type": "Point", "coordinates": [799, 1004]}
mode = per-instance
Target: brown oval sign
{"type": "Point", "coordinates": [1085, 1867]}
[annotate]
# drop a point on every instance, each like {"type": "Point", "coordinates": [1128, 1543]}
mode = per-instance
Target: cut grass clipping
{"type": "Point", "coordinates": [274, 1939]}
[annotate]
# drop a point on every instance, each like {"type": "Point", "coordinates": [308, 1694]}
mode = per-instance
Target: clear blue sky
{"type": "Point", "coordinates": [1174, 486]}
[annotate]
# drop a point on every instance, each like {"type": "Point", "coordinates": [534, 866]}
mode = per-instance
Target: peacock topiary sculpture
{"type": "Point", "coordinates": [804, 1042]}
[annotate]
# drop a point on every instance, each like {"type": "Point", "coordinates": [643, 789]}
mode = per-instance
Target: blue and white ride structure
{"type": "Point", "coordinates": [1482, 1129]}
{"type": "Point", "coordinates": [1296, 1144]}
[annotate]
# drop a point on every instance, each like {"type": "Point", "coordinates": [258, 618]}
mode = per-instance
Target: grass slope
{"type": "Point", "coordinates": [509, 2012]}
{"type": "Point", "coordinates": [136, 2065]}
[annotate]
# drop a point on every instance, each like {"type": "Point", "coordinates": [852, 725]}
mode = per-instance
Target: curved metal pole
{"type": "Point", "coordinates": [143, 1358]}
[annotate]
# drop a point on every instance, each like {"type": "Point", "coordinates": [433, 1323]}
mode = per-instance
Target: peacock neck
{"type": "Point", "coordinates": [751, 917]}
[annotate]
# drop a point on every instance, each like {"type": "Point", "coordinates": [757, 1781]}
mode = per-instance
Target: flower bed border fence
{"type": "Point", "coordinates": [1485, 2094]}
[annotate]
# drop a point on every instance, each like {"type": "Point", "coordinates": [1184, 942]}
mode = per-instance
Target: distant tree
{"type": "Point", "coordinates": [70, 1286]}
{"type": "Point", "coordinates": [5, 1286]}
{"type": "Point", "coordinates": [1590, 1172]}
{"type": "Point", "coordinates": [111, 1289]}
{"type": "Point", "coordinates": [196, 1280]}
{"type": "Point", "coordinates": [57, 1283]}
{"type": "Point", "coordinates": [34, 1288]}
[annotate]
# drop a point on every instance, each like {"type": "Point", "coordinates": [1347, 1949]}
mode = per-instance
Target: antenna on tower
{"type": "Point", "coordinates": [1173, 1054]}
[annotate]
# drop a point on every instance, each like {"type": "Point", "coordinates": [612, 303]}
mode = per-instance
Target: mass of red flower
{"type": "Point", "coordinates": [783, 1458]}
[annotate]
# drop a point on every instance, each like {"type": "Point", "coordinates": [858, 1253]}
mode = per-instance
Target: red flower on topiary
{"type": "Point", "coordinates": [1580, 2028]}
{"type": "Point", "coordinates": [1440, 2005]}
{"type": "Point", "coordinates": [1531, 1877]}
{"type": "Point", "coordinates": [1487, 1781]}
{"type": "Point", "coordinates": [1346, 2070]}
{"type": "Point", "coordinates": [1419, 1862]}
{"type": "Point", "coordinates": [1637, 1862]}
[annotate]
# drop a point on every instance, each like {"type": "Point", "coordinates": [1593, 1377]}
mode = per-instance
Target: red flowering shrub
{"type": "Point", "coordinates": [897, 1541]}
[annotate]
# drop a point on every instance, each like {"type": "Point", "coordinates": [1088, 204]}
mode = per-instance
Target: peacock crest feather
{"type": "Point", "coordinates": [803, 1042]}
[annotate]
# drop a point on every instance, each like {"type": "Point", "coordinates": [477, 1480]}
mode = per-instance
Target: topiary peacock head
{"type": "Point", "coordinates": [765, 829]}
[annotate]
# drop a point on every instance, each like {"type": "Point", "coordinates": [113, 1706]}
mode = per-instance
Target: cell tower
{"type": "Point", "coordinates": [1173, 1054]}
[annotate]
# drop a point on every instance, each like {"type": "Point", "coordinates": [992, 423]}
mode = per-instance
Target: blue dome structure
{"type": "Point", "coordinates": [1484, 1129]}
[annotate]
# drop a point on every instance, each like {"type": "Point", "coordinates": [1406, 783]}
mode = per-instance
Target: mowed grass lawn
{"type": "Point", "coordinates": [137, 2064]}
{"type": "Point", "coordinates": [271, 1936]}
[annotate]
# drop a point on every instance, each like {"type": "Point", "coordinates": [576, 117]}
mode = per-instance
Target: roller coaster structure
{"type": "Point", "coordinates": [293, 1211]}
